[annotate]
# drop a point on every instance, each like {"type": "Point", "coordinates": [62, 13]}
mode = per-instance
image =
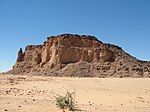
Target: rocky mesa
{"type": "Point", "coordinates": [78, 56]}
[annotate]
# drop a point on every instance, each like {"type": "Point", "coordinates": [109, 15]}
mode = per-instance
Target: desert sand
{"type": "Point", "coordinates": [37, 93]}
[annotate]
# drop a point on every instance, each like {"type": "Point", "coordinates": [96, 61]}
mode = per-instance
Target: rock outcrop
{"type": "Point", "coordinates": [80, 56]}
{"type": "Point", "coordinates": [20, 57]}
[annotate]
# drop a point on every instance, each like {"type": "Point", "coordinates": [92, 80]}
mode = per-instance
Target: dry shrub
{"type": "Point", "coordinates": [66, 102]}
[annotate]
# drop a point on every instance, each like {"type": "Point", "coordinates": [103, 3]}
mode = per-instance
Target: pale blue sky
{"type": "Point", "coordinates": [122, 22]}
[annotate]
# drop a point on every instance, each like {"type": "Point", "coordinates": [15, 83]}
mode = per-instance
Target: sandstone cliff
{"type": "Point", "coordinates": [80, 56]}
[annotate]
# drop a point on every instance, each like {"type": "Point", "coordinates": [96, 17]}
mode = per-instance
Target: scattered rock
{"type": "Point", "coordinates": [90, 103]}
{"type": "Point", "coordinates": [5, 110]}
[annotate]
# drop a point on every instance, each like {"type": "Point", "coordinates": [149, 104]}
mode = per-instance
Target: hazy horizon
{"type": "Point", "coordinates": [119, 22]}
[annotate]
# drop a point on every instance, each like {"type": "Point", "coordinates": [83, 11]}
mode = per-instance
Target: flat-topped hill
{"type": "Point", "coordinates": [80, 56]}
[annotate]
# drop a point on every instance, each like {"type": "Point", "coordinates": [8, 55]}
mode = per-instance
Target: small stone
{"type": "Point", "coordinates": [5, 110]}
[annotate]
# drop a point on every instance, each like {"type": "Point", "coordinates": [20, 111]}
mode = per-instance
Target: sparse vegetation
{"type": "Point", "coordinates": [66, 102]}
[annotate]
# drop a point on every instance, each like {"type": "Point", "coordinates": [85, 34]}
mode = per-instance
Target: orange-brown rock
{"type": "Point", "coordinates": [20, 55]}
{"type": "Point", "coordinates": [78, 55]}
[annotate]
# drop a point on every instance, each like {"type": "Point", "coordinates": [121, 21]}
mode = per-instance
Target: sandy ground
{"type": "Point", "coordinates": [36, 94]}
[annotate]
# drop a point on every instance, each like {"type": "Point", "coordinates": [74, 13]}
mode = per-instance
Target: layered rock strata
{"type": "Point", "coordinates": [80, 56]}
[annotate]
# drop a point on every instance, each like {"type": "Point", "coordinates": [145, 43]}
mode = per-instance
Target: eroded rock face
{"type": "Point", "coordinates": [106, 55]}
{"type": "Point", "coordinates": [78, 55]}
{"type": "Point", "coordinates": [20, 57]}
